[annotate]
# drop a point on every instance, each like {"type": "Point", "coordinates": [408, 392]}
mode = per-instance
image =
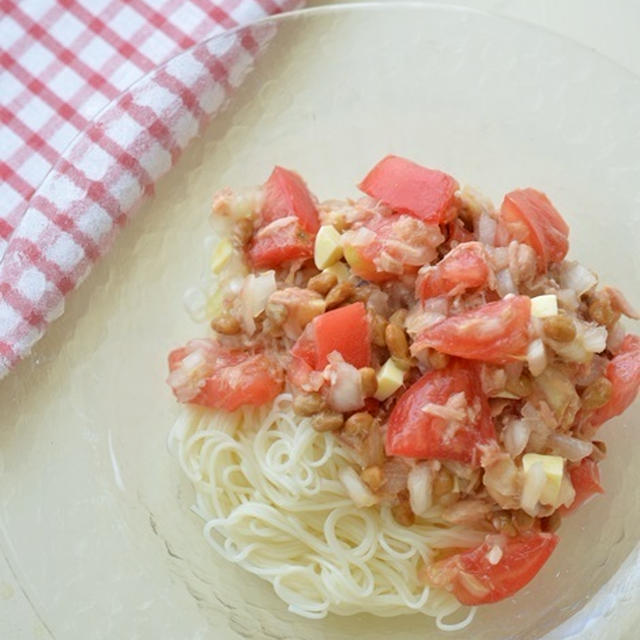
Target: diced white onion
{"type": "Point", "coordinates": [357, 490]}
{"type": "Point", "coordinates": [235, 285]}
{"type": "Point", "coordinates": [419, 483]}
{"type": "Point", "coordinates": [569, 448]}
{"type": "Point", "coordinates": [345, 385]}
{"type": "Point", "coordinates": [594, 338]}
{"type": "Point", "coordinates": [572, 275]}
{"type": "Point", "coordinates": [505, 283]}
{"type": "Point", "coordinates": [495, 555]}
{"type": "Point", "coordinates": [254, 296]}
{"type": "Point", "coordinates": [568, 299]}
{"type": "Point", "coordinates": [515, 437]}
{"type": "Point", "coordinates": [536, 357]}
{"type": "Point", "coordinates": [487, 229]}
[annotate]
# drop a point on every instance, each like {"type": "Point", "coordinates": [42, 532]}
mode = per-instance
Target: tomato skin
{"type": "Point", "coordinates": [407, 187]}
{"type": "Point", "coordinates": [473, 580]}
{"type": "Point", "coordinates": [530, 217]}
{"type": "Point", "coordinates": [464, 267]}
{"type": "Point", "coordinates": [234, 378]}
{"type": "Point", "coordinates": [497, 332]}
{"type": "Point", "coordinates": [286, 194]}
{"type": "Point", "coordinates": [624, 374]}
{"type": "Point", "coordinates": [413, 433]}
{"type": "Point", "coordinates": [271, 246]}
{"type": "Point", "coordinates": [585, 478]}
{"type": "Point", "coordinates": [345, 329]}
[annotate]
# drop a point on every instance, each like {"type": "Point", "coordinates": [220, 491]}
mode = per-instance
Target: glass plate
{"type": "Point", "coordinates": [94, 511]}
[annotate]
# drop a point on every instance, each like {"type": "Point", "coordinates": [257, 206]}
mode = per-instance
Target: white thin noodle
{"type": "Point", "coordinates": [267, 487]}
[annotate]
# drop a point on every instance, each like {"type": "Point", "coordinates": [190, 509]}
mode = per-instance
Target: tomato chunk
{"type": "Point", "coordinates": [388, 246]}
{"type": "Point", "coordinates": [497, 332]}
{"type": "Point", "coordinates": [279, 242]}
{"type": "Point", "coordinates": [585, 478]}
{"type": "Point", "coordinates": [416, 432]}
{"type": "Point", "coordinates": [206, 374]}
{"type": "Point", "coordinates": [286, 194]}
{"type": "Point", "coordinates": [463, 268]}
{"type": "Point", "coordinates": [473, 579]}
{"type": "Point", "coordinates": [345, 330]}
{"type": "Point", "coordinates": [624, 374]}
{"type": "Point", "coordinates": [530, 218]}
{"type": "Point", "coordinates": [407, 187]}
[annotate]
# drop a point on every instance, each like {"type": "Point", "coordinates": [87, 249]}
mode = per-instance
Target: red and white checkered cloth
{"type": "Point", "coordinates": [62, 63]}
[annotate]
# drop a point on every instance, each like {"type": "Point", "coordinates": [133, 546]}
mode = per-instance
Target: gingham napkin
{"type": "Point", "coordinates": [62, 63]}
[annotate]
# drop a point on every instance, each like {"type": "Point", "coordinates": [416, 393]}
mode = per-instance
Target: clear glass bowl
{"type": "Point", "coordinates": [94, 511]}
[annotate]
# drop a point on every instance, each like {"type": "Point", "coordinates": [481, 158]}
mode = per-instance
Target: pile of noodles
{"type": "Point", "coordinates": [268, 487]}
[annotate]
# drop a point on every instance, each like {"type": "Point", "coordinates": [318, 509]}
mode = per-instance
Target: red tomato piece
{"type": "Point", "coordinates": [398, 244]}
{"type": "Point", "coordinates": [585, 478]}
{"type": "Point", "coordinates": [413, 432]}
{"type": "Point", "coordinates": [277, 243]}
{"type": "Point", "coordinates": [345, 330]}
{"type": "Point", "coordinates": [223, 378]}
{"type": "Point", "coordinates": [474, 580]}
{"type": "Point", "coordinates": [530, 218]}
{"type": "Point", "coordinates": [407, 187]}
{"type": "Point", "coordinates": [497, 332]}
{"type": "Point", "coordinates": [624, 374]}
{"type": "Point", "coordinates": [286, 194]}
{"type": "Point", "coordinates": [464, 267]}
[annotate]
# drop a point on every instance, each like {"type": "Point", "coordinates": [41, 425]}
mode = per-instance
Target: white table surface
{"type": "Point", "coordinates": [607, 26]}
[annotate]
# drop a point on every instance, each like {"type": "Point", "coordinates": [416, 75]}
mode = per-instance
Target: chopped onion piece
{"type": "Point", "coordinates": [487, 227]}
{"type": "Point", "coordinates": [357, 490]}
{"type": "Point", "coordinates": [568, 447]}
{"type": "Point", "coordinates": [536, 357]}
{"type": "Point", "coordinates": [254, 296]}
{"type": "Point", "coordinates": [235, 285]}
{"type": "Point", "coordinates": [594, 338]}
{"type": "Point", "coordinates": [572, 275]}
{"type": "Point", "coordinates": [515, 437]}
{"type": "Point", "coordinates": [345, 385]}
{"type": "Point", "coordinates": [568, 299]}
{"type": "Point", "coordinates": [419, 484]}
{"type": "Point", "coordinates": [494, 555]}
{"type": "Point", "coordinates": [505, 283]}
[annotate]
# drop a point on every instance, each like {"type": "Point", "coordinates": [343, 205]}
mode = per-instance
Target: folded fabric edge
{"type": "Point", "coordinates": [105, 175]}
